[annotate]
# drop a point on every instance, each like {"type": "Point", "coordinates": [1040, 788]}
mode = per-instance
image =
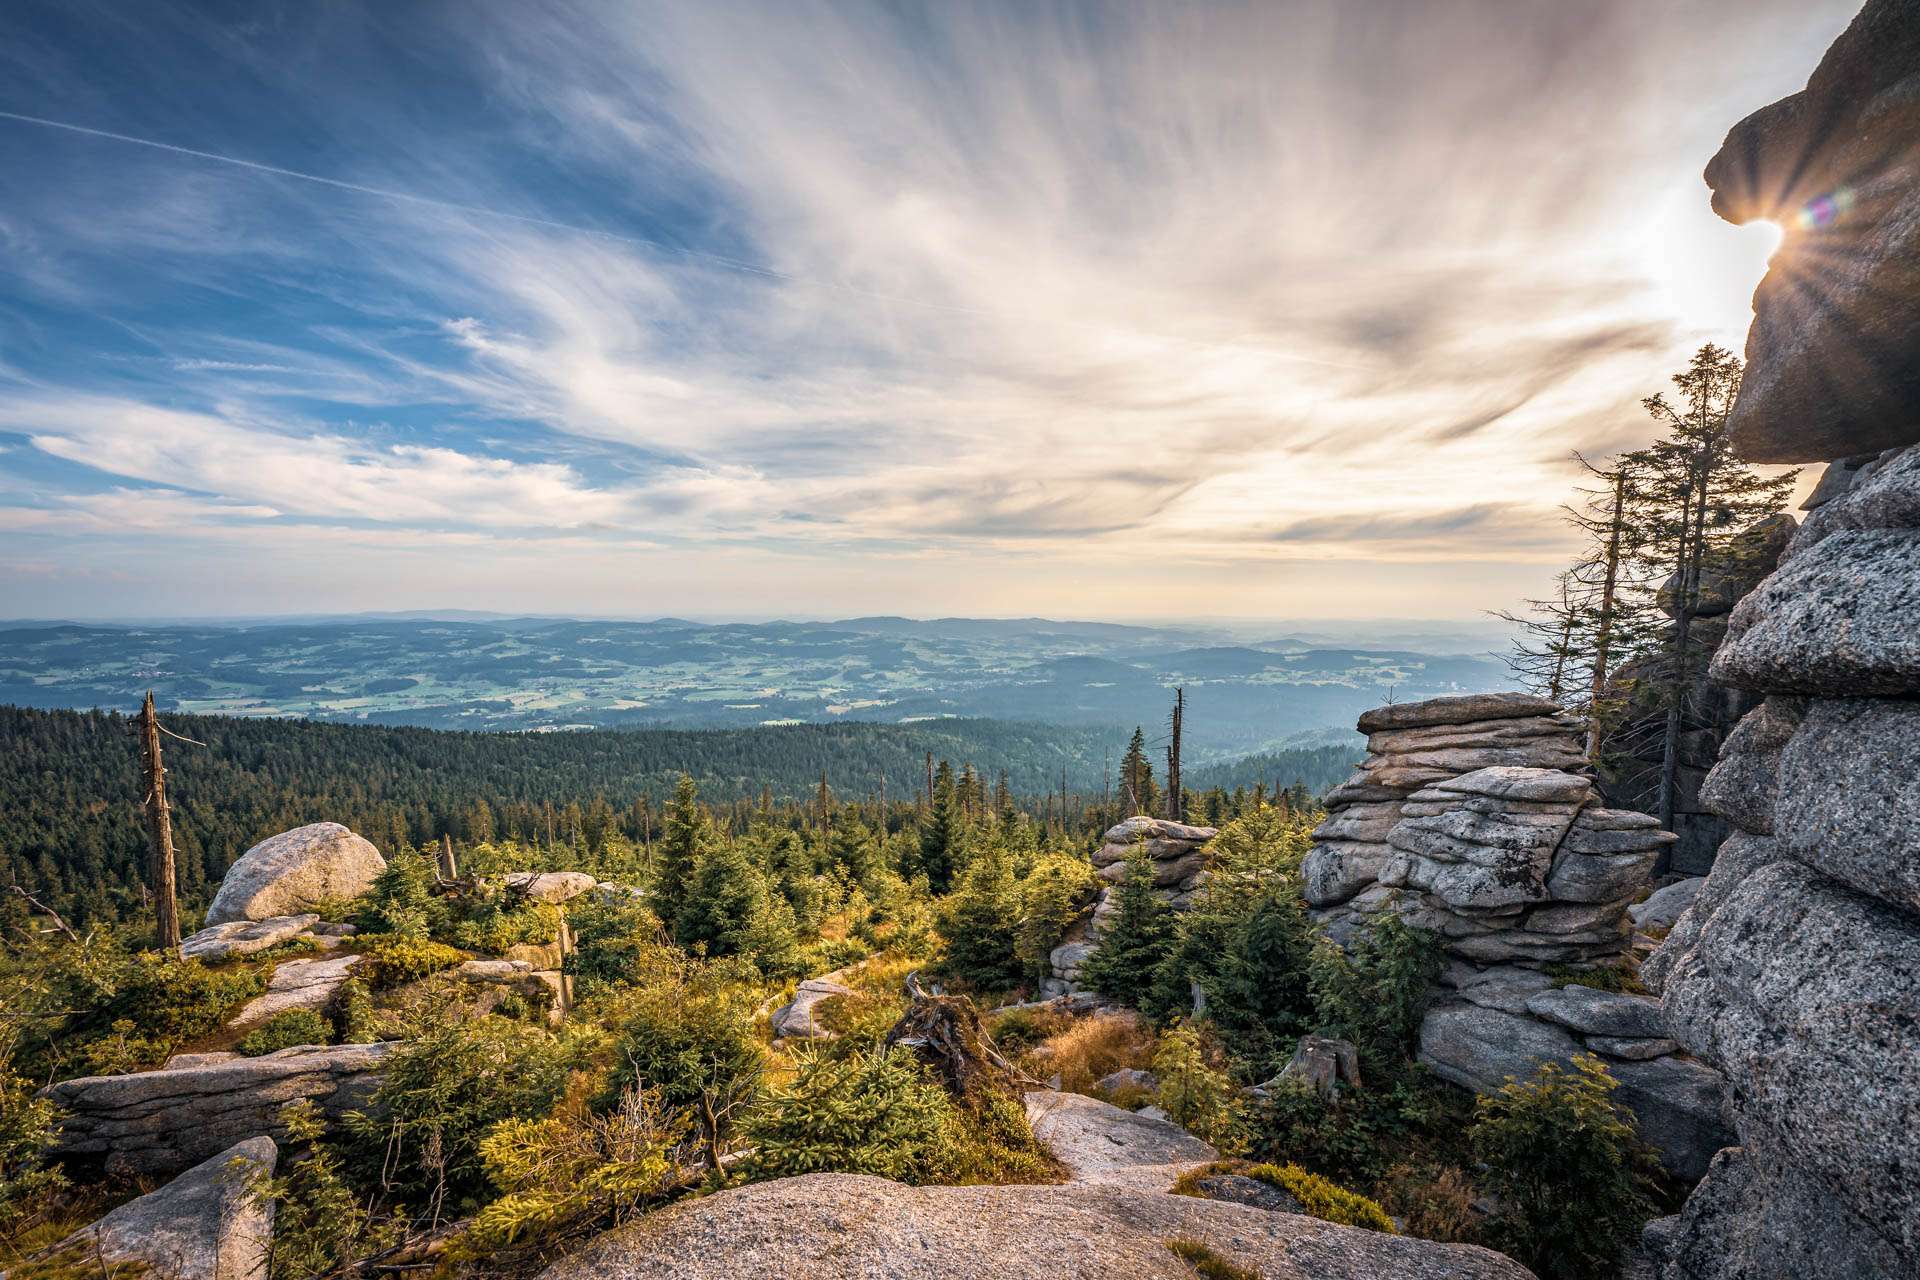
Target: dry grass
{"type": "Point", "coordinates": [1205, 1262]}
{"type": "Point", "coordinates": [1435, 1203]}
{"type": "Point", "coordinates": [1093, 1047]}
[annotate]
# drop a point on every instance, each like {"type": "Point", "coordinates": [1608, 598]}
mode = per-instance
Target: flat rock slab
{"type": "Point", "coordinates": [1462, 709]}
{"type": "Point", "coordinates": [290, 872]}
{"type": "Point", "coordinates": [207, 1224]}
{"type": "Point", "coordinates": [296, 984]}
{"type": "Point", "coordinates": [552, 887]}
{"type": "Point", "coordinates": [1599, 1013]}
{"type": "Point", "coordinates": [161, 1122]}
{"type": "Point", "coordinates": [245, 937]}
{"type": "Point", "coordinates": [1100, 1143]}
{"type": "Point", "coordinates": [838, 1226]}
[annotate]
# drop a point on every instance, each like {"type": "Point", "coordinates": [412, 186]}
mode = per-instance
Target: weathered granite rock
{"type": "Point", "coordinates": [1677, 1103]}
{"type": "Point", "coordinates": [836, 1226]}
{"type": "Point", "coordinates": [207, 1224]}
{"type": "Point", "coordinates": [1101, 1143]}
{"type": "Point", "coordinates": [1849, 803]}
{"type": "Point", "coordinates": [1505, 987]}
{"type": "Point", "coordinates": [1663, 907]}
{"type": "Point", "coordinates": [1741, 786]}
{"type": "Point", "coordinates": [1835, 620]}
{"type": "Point", "coordinates": [160, 1122]}
{"type": "Point", "coordinates": [1632, 1050]}
{"type": "Point", "coordinates": [1830, 369]}
{"type": "Point", "coordinates": [554, 887]}
{"type": "Point", "coordinates": [1128, 1078]}
{"type": "Point", "coordinates": [1885, 494]}
{"type": "Point", "coordinates": [245, 937]}
{"type": "Point", "coordinates": [285, 874]}
{"type": "Point", "coordinates": [296, 984]}
{"type": "Point", "coordinates": [1463, 709]}
{"type": "Point", "coordinates": [502, 972]}
{"type": "Point", "coordinates": [1740, 857]}
{"type": "Point", "coordinates": [796, 1020]}
{"type": "Point", "coordinates": [1599, 1013]}
{"type": "Point", "coordinates": [1808, 996]}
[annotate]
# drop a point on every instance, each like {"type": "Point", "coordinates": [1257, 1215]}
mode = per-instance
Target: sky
{"type": "Point", "coordinates": [1144, 311]}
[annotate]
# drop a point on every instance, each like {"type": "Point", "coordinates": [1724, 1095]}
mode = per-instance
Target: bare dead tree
{"type": "Point", "coordinates": [1176, 807]}
{"type": "Point", "coordinates": [160, 870]}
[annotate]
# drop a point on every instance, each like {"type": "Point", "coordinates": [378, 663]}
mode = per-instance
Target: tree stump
{"type": "Point", "coordinates": [1326, 1064]}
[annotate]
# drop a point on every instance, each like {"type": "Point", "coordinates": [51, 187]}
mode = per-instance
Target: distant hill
{"type": "Point", "coordinates": [515, 673]}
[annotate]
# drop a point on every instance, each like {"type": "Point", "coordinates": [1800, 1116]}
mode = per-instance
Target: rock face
{"type": "Point", "coordinates": [1513, 861]}
{"type": "Point", "coordinates": [837, 1226]}
{"type": "Point", "coordinates": [1178, 853]}
{"type": "Point", "coordinates": [1831, 370]}
{"type": "Point", "coordinates": [207, 1224]}
{"type": "Point", "coordinates": [1796, 970]}
{"type": "Point", "coordinates": [286, 874]}
{"type": "Point", "coordinates": [161, 1122]}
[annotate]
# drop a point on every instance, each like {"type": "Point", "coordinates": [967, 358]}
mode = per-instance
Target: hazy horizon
{"type": "Point", "coordinates": [818, 311]}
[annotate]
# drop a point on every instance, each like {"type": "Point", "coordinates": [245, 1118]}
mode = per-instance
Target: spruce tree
{"type": "Point", "coordinates": [1136, 776]}
{"type": "Point", "coordinates": [722, 902]}
{"type": "Point", "coordinates": [980, 921]}
{"type": "Point", "coordinates": [940, 837]}
{"type": "Point", "coordinates": [686, 837]}
{"type": "Point", "coordinates": [1138, 938]}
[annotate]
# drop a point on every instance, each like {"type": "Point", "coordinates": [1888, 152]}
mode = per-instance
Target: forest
{"type": "Point", "coordinates": [70, 785]}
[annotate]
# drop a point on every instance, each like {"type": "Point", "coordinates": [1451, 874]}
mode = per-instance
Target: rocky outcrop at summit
{"type": "Point", "coordinates": [161, 1122]}
{"type": "Point", "coordinates": [1831, 371]}
{"type": "Point", "coordinates": [1177, 853]}
{"type": "Point", "coordinates": [210, 1223]}
{"type": "Point", "coordinates": [1796, 971]}
{"type": "Point", "coordinates": [840, 1226]}
{"type": "Point", "coordinates": [294, 871]}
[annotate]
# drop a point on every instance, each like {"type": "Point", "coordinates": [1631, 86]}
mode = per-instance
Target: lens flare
{"type": "Point", "coordinates": [1823, 211]}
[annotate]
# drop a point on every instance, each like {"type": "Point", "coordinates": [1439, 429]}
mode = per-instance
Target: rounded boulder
{"type": "Point", "coordinates": [288, 873]}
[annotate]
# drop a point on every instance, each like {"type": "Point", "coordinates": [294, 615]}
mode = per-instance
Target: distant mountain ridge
{"type": "Point", "coordinates": [531, 673]}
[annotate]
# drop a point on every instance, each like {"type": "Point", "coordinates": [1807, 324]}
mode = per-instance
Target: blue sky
{"type": "Point", "coordinates": [743, 310]}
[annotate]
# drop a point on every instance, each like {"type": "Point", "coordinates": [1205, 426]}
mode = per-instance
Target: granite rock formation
{"type": "Point", "coordinates": [1467, 819]}
{"type": "Point", "coordinates": [207, 1224]}
{"type": "Point", "coordinates": [1796, 971]}
{"type": "Point", "coordinates": [1178, 854]}
{"type": "Point", "coordinates": [159, 1123]}
{"type": "Point", "coordinates": [287, 874]}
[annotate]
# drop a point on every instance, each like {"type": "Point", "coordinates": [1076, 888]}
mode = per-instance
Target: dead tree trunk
{"type": "Point", "coordinates": [448, 869]}
{"type": "Point", "coordinates": [1603, 632]}
{"type": "Point", "coordinates": [1175, 806]}
{"type": "Point", "coordinates": [166, 907]}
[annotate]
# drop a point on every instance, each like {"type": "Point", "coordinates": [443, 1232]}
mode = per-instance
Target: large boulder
{"type": "Point", "coordinates": [157, 1123]}
{"type": "Point", "coordinates": [1849, 805]}
{"type": "Point", "coordinates": [798, 1018]}
{"type": "Point", "coordinates": [838, 1226]}
{"type": "Point", "coordinates": [289, 873]}
{"type": "Point", "coordinates": [1830, 364]}
{"type": "Point", "coordinates": [207, 1224]}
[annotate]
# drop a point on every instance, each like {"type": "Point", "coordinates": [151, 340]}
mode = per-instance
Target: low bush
{"type": "Point", "coordinates": [390, 960]}
{"type": "Point", "coordinates": [1434, 1202]}
{"type": "Point", "coordinates": [1374, 991]}
{"type": "Point", "coordinates": [1197, 1095]}
{"type": "Point", "coordinates": [1620, 979]}
{"type": "Point", "coordinates": [612, 934]}
{"type": "Point", "coordinates": [400, 900]}
{"type": "Point", "coordinates": [1323, 1199]}
{"type": "Point", "coordinates": [159, 1003]}
{"type": "Point", "coordinates": [284, 1030]}
{"type": "Point", "coordinates": [318, 1221]}
{"type": "Point", "coordinates": [1358, 1136]}
{"type": "Point", "coordinates": [876, 1112]}
{"type": "Point", "coordinates": [1569, 1164]}
{"type": "Point", "coordinates": [1017, 1030]}
{"type": "Point", "coordinates": [491, 922]}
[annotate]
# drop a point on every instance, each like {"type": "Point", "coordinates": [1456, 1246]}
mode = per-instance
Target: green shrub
{"type": "Point", "coordinates": [439, 1095]}
{"type": "Point", "coordinates": [400, 901]}
{"type": "Point", "coordinates": [29, 1180]}
{"type": "Point", "coordinates": [284, 1030]}
{"type": "Point", "coordinates": [979, 921]}
{"type": "Point", "coordinates": [612, 935]}
{"type": "Point", "coordinates": [1195, 1095]}
{"type": "Point", "coordinates": [355, 1020]}
{"type": "Point", "coordinates": [685, 1030]}
{"type": "Point", "coordinates": [318, 1222]}
{"type": "Point", "coordinates": [1323, 1199]}
{"type": "Point", "coordinates": [1620, 979]}
{"type": "Point", "coordinates": [1570, 1164]}
{"type": "Point", "coordinates": [1358, 1136]}
{"type": "Point", "coordinates": [389, 960]}
{"type": "Point", "coordinates": [490, 924]}
{"type": "Point", "coordinates": [1374, 992]}
{"type": "Point", "coordinates": [1052, 895]}
{"type": "Point", "coordinates": [160, 1003]}
{"type": "Point", "coordinates": [876, 1112]}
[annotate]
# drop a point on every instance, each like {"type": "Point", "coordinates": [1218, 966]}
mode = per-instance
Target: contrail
{"type": "Point", "coordinates": [734, 264]}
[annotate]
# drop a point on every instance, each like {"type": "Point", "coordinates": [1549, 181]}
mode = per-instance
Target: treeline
{"type": "Point", "coordinates": [69, 787]}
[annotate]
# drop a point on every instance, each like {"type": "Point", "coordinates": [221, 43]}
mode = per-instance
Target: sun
{"type": "Point", "coordinates": [1706, 269]}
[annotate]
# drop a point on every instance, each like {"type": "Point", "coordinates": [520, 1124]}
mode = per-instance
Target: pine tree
{"type": "Point", "coordinates": [721, 902]}
{"type": "Point", "coordinates": [400, 900]}
{"type": "Point", "coordinates": [1138, 938]}
{"type": "Point", "coordinates": [687, 836]}
{"type": "Point", "coordinates": [1136, 776]}
{"type": "Point", "coordinates": [940, 838]}
{"type": "Point", "coordinates": [980, 921]}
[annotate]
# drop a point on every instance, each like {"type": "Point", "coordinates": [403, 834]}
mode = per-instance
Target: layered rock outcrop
{"type": "Point", "coordinates": [1467, 818]}
{"type": "Point", "coordinates": [1796, 971]}
{"type": "Point", "coordinates": [161, 1122]}
{"type": "Point", "coordinates": [1179, 859]}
